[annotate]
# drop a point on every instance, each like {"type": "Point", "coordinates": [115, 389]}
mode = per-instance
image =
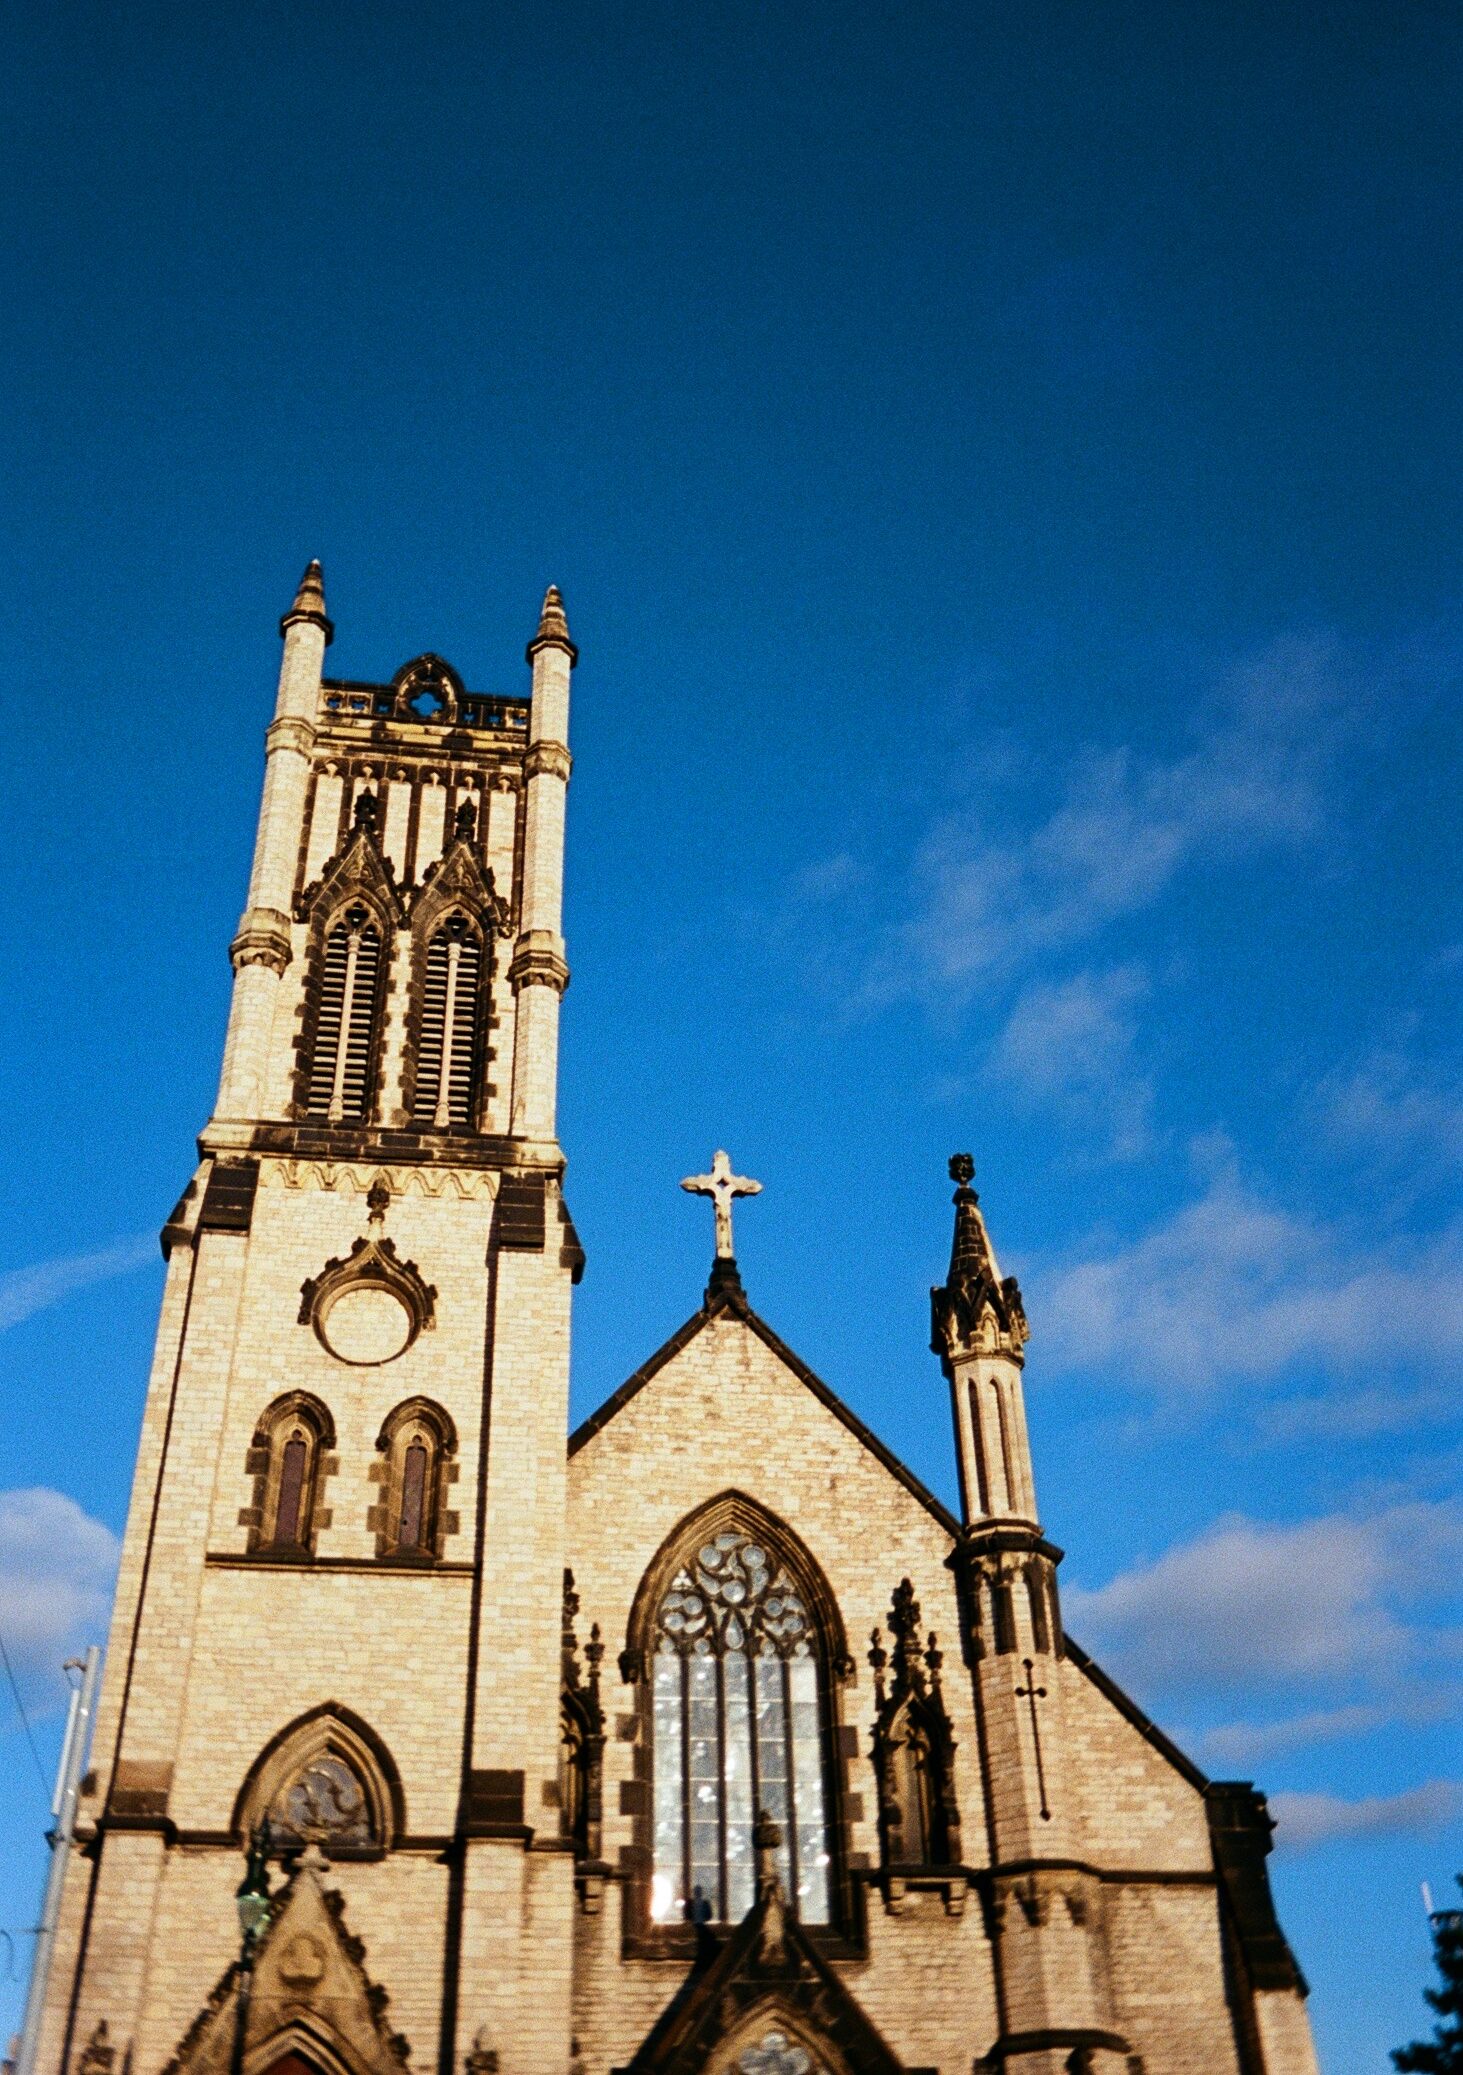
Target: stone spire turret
{"type": "Point", "coordinates": [1052, 1969]}
{"type": "Point", "coordinates": [553, 628]}
{"type": "Point", "coordinates": [261, 949]}
{"type": "Point", "coordinates": [539, 972]}
{"type": "Point", "coordinates": [309, 605]}
{"type": "Point", "coordinates": [978, 1329]}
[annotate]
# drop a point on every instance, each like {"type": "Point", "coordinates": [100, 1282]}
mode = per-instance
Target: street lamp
{"type": "Point", "coordinates": [253, 1904]}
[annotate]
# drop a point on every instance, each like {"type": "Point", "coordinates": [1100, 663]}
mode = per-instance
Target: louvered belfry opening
{"type": "Point", "coordinates": [446, 1079]}
{"type": "Point", "coordinates": [345, 1027]}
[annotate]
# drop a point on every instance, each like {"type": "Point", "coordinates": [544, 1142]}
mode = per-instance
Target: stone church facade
{"type": "Point", "coordinates": [703, 1738]}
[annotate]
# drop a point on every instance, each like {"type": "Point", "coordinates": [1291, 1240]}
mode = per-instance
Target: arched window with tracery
{"type": "Point", "coordinates": [418, 1446]}
{"type": "Point", "coordinates": [346, 1012]}
{"type": "Point", "coordinates": [738, 1672]}
{"type": "Point", "coordinates": [327, 1779]}
{"type": "Point", "coordinates": [448, 1045]}
{"type": "Point", "coordinates": [289, 1461]}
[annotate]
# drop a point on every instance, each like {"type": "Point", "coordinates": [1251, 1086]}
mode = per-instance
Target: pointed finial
{"type": "Point", "coordinates": [968, 1254]}
{"type": "Point", "coordinates": [974, 1284]}
{"type": "Point", "coordinates": [309, 605]}
{"type": "Point", "coordinates": [553, 628]}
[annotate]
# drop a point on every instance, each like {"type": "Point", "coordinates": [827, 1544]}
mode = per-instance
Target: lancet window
{"type": "Point", "coordinates": [448, 1042]}
{"type": "Point", "coordinates": [417, 1445]}
{"type": "Point", "coordinates": [346, 1011]}
{"type": "Point", "coordinates": [288, 1458]}
{"type": "Point", "coordinates": [738, 1696]}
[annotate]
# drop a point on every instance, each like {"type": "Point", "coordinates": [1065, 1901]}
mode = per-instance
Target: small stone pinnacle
{"type": "Point", "coordinates": [310, 602]}
{"type": "Point", "coordinates": [553, 627]}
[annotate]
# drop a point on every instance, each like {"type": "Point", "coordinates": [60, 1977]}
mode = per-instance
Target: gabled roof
{"type": "Point", "coordinates": [770, 1971]}
{"type": "Point", "coordinates": [726, 1299]}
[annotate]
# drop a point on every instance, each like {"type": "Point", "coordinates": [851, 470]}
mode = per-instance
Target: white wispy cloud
{"type": "Point", "coordinates": [1306, 1820]}
{"type": "Point", "coordinates": [25, 1291]}
{"type": "Point", "coordinates": [1242, 1743]}
{"type": "Point", "coordinates": [1250, 1604]}
{"type": "Point", "coordinates": [1126, 827]}
{"type": "Point", "coordinates": [57, 1568]}
{"type": "Point", "coordinates": [1395, 1108]}
{"type": "Point", "coordinates": [1233, 1287]}
{"type": "Point", "coordinates": [1070, 1044]}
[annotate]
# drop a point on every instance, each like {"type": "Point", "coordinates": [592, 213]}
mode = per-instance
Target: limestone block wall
{"type": "Point", "coordinates": [726, 1414]}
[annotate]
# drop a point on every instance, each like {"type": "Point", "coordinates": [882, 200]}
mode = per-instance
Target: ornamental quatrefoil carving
{"type": "Point", "coordinates": [368, 1308]}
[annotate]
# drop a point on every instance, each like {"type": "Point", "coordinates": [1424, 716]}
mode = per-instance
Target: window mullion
{"type": "Point", "coordinates": [347, 1025]}
{"type": "Point", "coordinates": [443, 1115]}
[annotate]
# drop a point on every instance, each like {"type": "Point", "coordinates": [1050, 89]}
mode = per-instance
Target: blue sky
{"type": "Point", "coordinates": [1003, 467]}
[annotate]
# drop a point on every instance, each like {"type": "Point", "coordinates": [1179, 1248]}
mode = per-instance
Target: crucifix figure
{"type": "Point", "coordinates": [721, 1185]}
{"type": "Point", "coordinates": [1032, 1693]}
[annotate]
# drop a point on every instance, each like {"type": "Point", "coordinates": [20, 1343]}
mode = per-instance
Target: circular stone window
{"type": "Point", "coordinates": [366, 1324]}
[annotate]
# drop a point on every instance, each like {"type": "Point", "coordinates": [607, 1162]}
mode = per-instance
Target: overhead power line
{"type": "Point", "coordinates": [24, 1717]}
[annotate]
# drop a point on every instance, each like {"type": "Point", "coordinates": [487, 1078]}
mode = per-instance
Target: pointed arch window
{"type": "Point", "coordinates": [290, 1463]}
{"type": "Point", "coordinates": [739, 1712]}
{"type": "Point", "coordinates": [448, 1047]}
{"type": "Point", "coordinates": [347, 1010]}
{"type": "Point", "coordinates": [418, 1445]}
{"type": "Point", "coordinates": [327, 1779]}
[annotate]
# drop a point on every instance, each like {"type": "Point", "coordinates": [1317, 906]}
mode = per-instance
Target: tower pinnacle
{"type": "Point", "coordinates": [975, 1305]}
{"type": "Point", "coordinates": [310, 603]}
{"type": "Point", "coordinates": [553, 628]}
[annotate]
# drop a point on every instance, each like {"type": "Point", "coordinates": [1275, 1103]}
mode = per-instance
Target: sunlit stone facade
{"type": "Point", "coordinates": [702, 1738]}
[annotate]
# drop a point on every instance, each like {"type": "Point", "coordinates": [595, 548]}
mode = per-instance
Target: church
{"type": "Point", "coordinates": [436, 1739]}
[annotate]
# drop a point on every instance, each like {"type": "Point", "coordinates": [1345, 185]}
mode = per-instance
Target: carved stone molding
{"type": "Point", "coordinates": [311, 1993]}
{"type": "Point", "coordinates": [263, 939]}
{"type": "Point", "coordinates": [99, 2055]}
{"type": "Point", "coordinates": [289, 732]}
{"type": "Point", "coordinates": [547, 759]}
{"type": "Point", "coordinates": [537, 962]}
{"type": "Point", "coordinates": [974, 1311]}
{"type": "Point", "coordinates": [913, 1752]}
{"type": "Point", "coordinates": [427, 690]}
{"type": "Point", "coordinates": [370, 1307]}
{"type": "Point", "coordinates": [461, 1184]}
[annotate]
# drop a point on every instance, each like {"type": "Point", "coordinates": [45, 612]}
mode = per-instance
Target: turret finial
{"type": "Point", "coordinates": [974, 1286]}
{"type": "Point", "coordinates": [969, 1253]}
{"type": "Point", "coordinates": [553, 628]}
{"type": "Point", "coordinates": [309, 605]}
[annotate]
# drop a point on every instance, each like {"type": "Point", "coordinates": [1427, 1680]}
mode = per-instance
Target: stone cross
{"type": "Point", "coordinates": [1032, 1693]}
{"type": "Point", "coordinates": [721, 1185]}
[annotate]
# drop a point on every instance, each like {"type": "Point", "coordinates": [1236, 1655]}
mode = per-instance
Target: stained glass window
{"type": "Point", "coordinates": [737, 1726]}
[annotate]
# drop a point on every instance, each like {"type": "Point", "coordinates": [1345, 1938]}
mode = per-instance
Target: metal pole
{"type": "Point", "coordinates": [241, 2013]}
{"type": "Point", "coordinates": [74, 1750]}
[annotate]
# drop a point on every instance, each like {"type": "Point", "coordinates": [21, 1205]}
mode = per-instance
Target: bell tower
{"type": "Point", "coordinates": [346, 1536]}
